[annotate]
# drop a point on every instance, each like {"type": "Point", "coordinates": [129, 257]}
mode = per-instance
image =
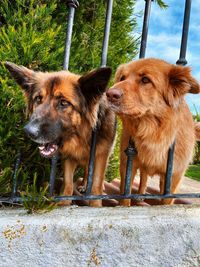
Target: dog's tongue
{"type": "Point", "coordinates": [48, 150]}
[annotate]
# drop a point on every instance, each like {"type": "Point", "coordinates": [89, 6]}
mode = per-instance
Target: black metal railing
{"type": "Point", "coordinates": [131, 150]}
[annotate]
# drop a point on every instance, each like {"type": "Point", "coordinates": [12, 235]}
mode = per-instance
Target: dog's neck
{"type": "Point", "coordinates": [152, 128]}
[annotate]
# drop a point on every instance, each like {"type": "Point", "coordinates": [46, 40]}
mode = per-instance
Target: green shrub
{"type": "Point", "coordinates": [193, 172]}
{"type": "Point", "coordinates": [35, 200]}
{"type": "Point", "coordinates": [196, 158]}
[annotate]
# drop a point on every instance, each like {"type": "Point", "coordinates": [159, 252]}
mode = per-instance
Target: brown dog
{"type": "Point", "coordinates": [64, 109]}
{"type": "Point", "coordinates": [148, 96]}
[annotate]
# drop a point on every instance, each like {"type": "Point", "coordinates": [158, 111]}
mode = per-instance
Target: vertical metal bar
{"type": "Point", "coordinates": [186, 21]}
{"type": "Point", "coordinates": [131, 146]}
{"type": "Point", "coordinates": [181, 61]}
{"type": "Point", "coordinates": [131, 152]}
{"type": "Point", "coordinates": [54, 161]}
{"type": "Point", "coordinates": [103, 64]}
{"type": "Point", "coordinates": [145, 28]}
{"type": "Point", "coordinates": [17, 164]}
{"type": "Point", "coordinates": [169, 169]}
{"type": "Point", "coordinates": [106, 33]}
{"type": "Point", "coordinates": [72, 5]}
{"type": "Point", "coordinates": [91, 161]}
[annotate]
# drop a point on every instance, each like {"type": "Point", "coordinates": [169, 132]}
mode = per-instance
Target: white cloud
{"type": "Point", "coordinates": [164, 46]}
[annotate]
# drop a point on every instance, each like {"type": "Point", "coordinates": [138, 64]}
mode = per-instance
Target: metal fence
{"type": "Point", "coordinates": [131, 150]}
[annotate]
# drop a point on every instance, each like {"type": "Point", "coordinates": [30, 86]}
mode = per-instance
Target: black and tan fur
{"type": "Point", "coordinates": [64, 108]}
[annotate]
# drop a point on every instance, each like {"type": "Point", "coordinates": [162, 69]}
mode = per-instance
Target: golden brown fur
{"type": "Point", "coordinates": [64, 108]}
{"type": "Point", "coordinates": [148, 96]}
{"type": "Point", "coordinates": [197, 130]}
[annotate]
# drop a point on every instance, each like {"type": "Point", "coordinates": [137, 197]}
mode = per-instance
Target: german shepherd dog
{"type": "Point", "coordinates": [64, 108]}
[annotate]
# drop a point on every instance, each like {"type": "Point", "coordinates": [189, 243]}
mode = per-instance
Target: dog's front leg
{"type": "Point", "coordinates": [175, 182]}
{"type": "Point", "coordinates": [126, 202]}
{"type": "Point", "coordinates": [98, 178]}
{"type": "Point", "coordinates": [69, 168]}
{"type": "Point", "coordinates": [143, 182]}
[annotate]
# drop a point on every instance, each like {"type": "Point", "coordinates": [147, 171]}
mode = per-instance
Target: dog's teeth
{"type": "Point", "coordinates": [46, 153]}
{"type": "Point", "coordinates": [52, 149]}
{"type": "Point", "coordinates": [41, 147]}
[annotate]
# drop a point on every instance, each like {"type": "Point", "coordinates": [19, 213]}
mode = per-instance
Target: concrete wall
{"type": "Point", "coordinates": [110, 237]}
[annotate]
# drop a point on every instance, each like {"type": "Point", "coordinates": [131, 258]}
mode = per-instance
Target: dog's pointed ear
{"type": "Point", "coordinates": [181, 82]}
{"type": "Point", "coordinates": [22, 75]}
{"type": "Point", "coordinates": [94, 84]}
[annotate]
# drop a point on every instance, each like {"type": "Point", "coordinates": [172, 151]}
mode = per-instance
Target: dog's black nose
{"type": "Point", "coordinates": [114, 95]}
{"type": "Point", "coordinates": [31, 130]}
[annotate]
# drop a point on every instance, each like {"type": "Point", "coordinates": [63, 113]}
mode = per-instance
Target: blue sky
{"type": "Point", "coordinates": [164, 37]}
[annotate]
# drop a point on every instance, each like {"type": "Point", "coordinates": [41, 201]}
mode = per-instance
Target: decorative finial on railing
{"type": "Point", "coordinates": [131, 149]}
{"type": "Point", "coordinates": [73, 3]}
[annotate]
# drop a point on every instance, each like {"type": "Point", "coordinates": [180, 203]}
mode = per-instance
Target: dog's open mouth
{"type": "Point", "coordinates": [48, 150]}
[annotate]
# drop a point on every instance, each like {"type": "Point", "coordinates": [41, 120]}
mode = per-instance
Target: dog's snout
{"type": "Point", "coordinates": [114, 95]}
{"type": "Point", "coordinates": [31, 131]}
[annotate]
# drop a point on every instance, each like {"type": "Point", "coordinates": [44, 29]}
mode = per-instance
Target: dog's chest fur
{"type": "Point", "coordinates": [154, 137]}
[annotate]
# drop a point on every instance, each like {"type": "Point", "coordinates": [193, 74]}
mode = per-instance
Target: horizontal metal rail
{"type": "Point", "coordinates": [103, 197]}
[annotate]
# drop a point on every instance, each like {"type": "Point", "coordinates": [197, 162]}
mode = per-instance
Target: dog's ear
{"type": "Point", "coordinates": [119, 74]}
{"type": "Point", "coordinates": [22, 75]}
{"type": "Point", "coordinates": [93, 84]}
{"type": "Point", "coordinates": [181, 82]}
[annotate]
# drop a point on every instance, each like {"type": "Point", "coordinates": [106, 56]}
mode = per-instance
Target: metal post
{"type": "Point", "coordinates": [145, 28]}
{"type": "Point", "coordinates": [103, 64]}
{"type": "Point", "coordinates": [54, 161]}
{"type": "Point", "coordinates": [131, 146]}
{"type": "Point", "coordinates": [169, 169]}
{"type": "Point", "coordinates": [91, 161]}
{"type": "Point", "coordinates": [106, 33]}
{"type": "Point", "coordinates": [17, 164]}
{"type": "Point", "coordinates": [181, 61]}
{"type": "Point", "coordinates": [72, 5]}
{"type": "Point", "coordinates": [131, 152]}
{"type": "Point", "coordinates": [186, 21]}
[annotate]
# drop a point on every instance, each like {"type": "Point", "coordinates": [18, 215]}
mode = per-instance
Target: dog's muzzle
{"type": "Point", "coordinates": [114, 95]}
{"type": "Point", "coordinates": [47, 135]}
{"type": "Point", "coordinates": [32, 131]}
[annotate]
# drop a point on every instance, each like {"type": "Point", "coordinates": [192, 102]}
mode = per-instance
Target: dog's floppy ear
{"type": "Point", "coordinates": [22, 75]}
{"type": "Point", "coordinates": [181, 82]}
{"type": "Point", "coordinates": [119, 73]}
{"type": "Point", "coordinates": [93, 84]}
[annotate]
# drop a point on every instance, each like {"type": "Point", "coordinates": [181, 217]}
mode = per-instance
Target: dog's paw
{"type": "Point", "coordinates": [95, 203]}
{"type": "Point", "coordinates": [65, 203]}
{"type": "Point", "coordinates": [81, 185]}
{"type": "Point", "coordinates": [125, 202]}
{"type": "Point", "coordinates": [81, 189]}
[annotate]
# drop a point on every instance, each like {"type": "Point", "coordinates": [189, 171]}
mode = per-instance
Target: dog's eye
{"type": "Point", "coordinates": [122, 78]}
{"type": "Point", "coordinates": [145, 80]}
{"type": "Point", "coordinates": [63, 103]}
{"type": "Point", "coordinates": [38, 99]}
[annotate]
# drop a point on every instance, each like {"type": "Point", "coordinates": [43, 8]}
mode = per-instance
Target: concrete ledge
{"type": "Point", "coordinates": [76, 237]}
